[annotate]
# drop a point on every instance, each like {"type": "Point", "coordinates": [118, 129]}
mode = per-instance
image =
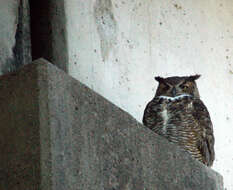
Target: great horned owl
{"type": "Point", "coordinates": [177, 113]}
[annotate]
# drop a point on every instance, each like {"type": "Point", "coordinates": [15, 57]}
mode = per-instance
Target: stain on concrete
{"type": "Point", "coordinates": [178, 7]}
{"type": "Point", "coordinates": [8, 26]}
{"type": "Point", "coordinates": [106, 26]}
{"type": "Point", "coordinates": [15, 38]}
{"type": "Point", "coordinates": [22, 48]}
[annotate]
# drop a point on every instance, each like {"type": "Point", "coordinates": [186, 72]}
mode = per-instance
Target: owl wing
{"type": "Point", "coordinates": [151, 118]}
{"type": "Point", "coordinates": [206, 142]}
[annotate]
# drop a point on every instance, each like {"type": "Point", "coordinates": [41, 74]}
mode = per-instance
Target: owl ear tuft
{"type": "Point", "coordinates": [159, 79]}
{"type": "Point", "coordinates": [194, 77]}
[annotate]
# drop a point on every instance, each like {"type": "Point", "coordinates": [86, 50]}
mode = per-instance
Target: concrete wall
{"type": "Point", "coordinates": [117, 47]}
{"type": "Point", "coordinates": [15, 49]}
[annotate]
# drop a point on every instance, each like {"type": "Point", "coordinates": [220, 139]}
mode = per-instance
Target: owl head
{"type": "Point", "coordinates": [175, 86]}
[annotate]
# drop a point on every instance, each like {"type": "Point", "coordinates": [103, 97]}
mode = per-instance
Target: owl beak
{"type": "Point", "coordinates": [173, 91]}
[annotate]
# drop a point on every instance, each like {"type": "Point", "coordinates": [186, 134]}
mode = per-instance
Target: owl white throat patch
{"type": "Point", "coordinates": [174, 98]}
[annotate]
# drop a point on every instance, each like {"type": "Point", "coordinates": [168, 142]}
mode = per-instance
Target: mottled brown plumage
{"type": "Point", "coordinates": [177, 113]}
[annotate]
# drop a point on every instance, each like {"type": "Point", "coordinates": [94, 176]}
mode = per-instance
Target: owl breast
{"type": "Point", "coordinates": [176, 117]}
{"type": "Point", "coordinates": [165, 117]}
{"type": "Point", "coordinates": [173, 119]}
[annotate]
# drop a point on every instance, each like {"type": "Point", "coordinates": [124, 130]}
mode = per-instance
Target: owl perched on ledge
{"type": "Point", "coordinates": [177, 113]}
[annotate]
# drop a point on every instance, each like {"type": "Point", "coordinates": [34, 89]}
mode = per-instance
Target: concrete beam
{"type": "Point", "coordinates": [58, 134]}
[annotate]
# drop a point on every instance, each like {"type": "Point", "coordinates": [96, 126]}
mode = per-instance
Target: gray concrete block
{"type": "Point", "coordinates": [58, 134]}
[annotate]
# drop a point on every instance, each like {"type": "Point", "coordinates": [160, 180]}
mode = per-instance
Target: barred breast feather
{"type": "Point", "coordinates": [185, 121]}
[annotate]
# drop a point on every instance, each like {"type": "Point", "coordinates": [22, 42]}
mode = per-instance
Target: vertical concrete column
{"type": "Point", "coordinates": [14, 35]}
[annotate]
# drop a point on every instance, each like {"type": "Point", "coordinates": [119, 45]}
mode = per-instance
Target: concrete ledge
{"type": "Point", "coordinates": [58, 134]}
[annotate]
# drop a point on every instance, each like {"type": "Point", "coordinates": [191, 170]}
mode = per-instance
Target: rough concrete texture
{"type": "Point", "coordinates": [15, 41]}
{"type": "Point", "coordinates": [58, 134]}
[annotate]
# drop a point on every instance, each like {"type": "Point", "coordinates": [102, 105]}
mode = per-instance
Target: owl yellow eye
{"type": "Point", "coordinates": [185, 86]}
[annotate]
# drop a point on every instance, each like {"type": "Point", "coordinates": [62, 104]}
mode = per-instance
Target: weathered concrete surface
{"type": "Point", "coordinates": [15, 49]}
{"type": "Point", "coordinates": [58, 134]}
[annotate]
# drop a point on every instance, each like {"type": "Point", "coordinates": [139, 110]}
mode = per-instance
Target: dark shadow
{"type": "Point", "coordinates": [48, 32]}
{"type": "Point", "coordinates": [41, 29]}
